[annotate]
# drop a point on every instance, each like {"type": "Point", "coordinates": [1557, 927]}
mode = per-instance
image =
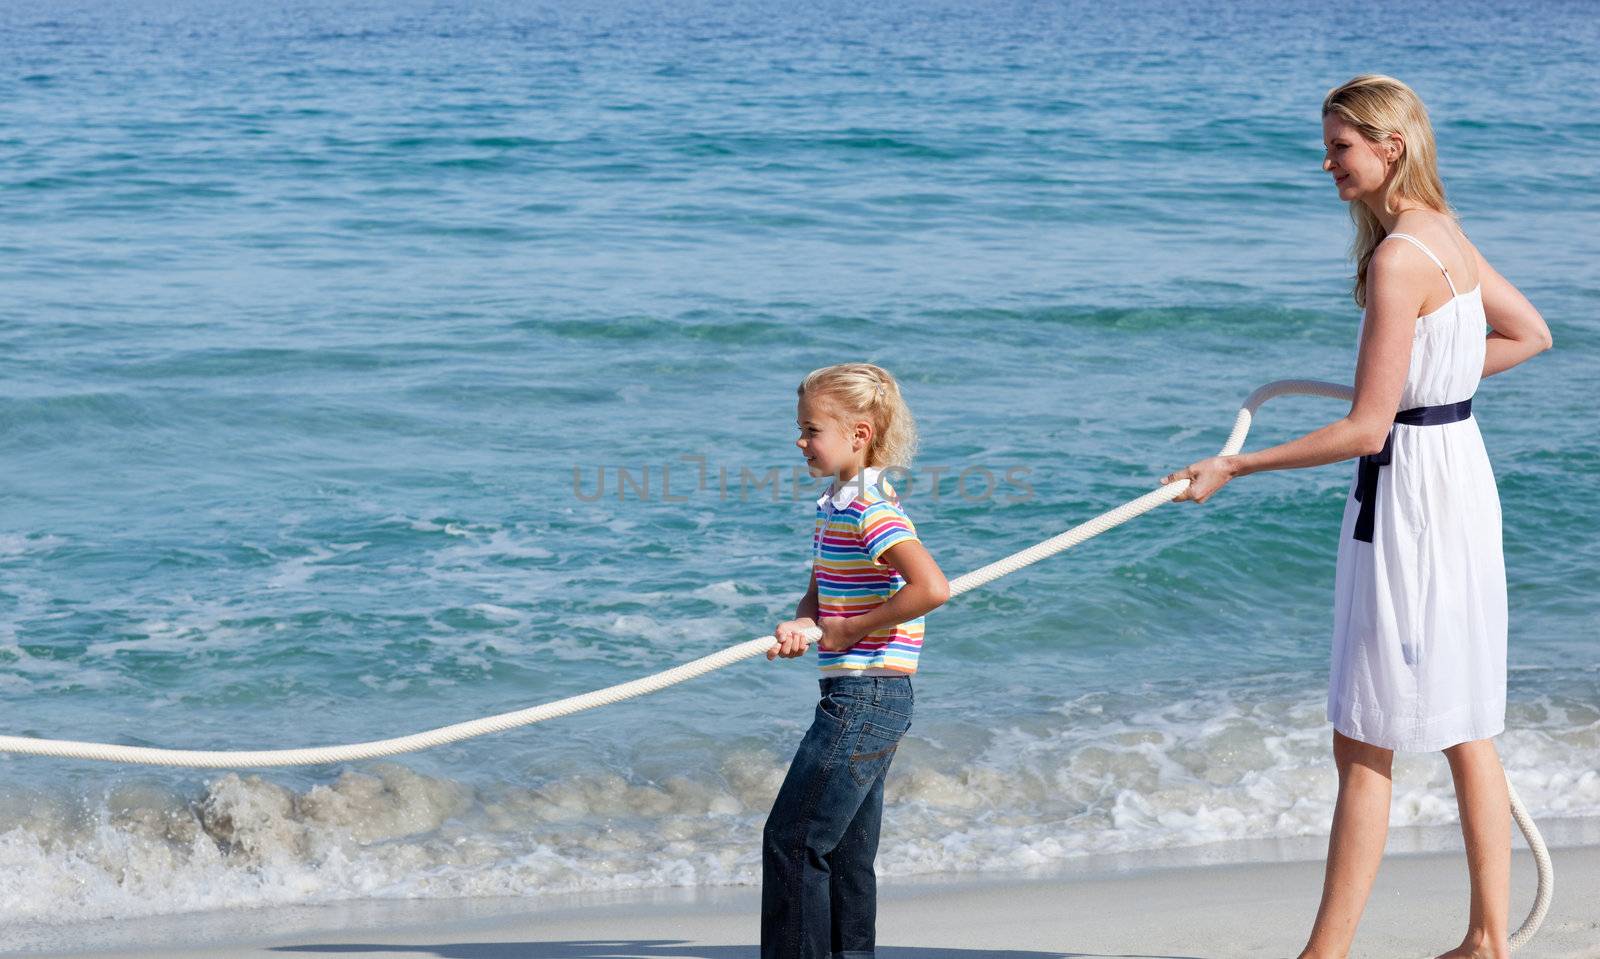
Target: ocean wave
{"type": "Point", "coordinates": [1103, 773]}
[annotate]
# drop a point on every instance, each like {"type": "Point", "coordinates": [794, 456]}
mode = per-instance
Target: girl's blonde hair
{"type": "Point", "coordinates": [1381, 107]}
{"type": "Point", "coordinates": [861, 391]}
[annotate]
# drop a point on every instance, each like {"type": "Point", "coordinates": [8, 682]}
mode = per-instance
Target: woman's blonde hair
{"type": "Point", "coordinates": [861, 391]}
{"type": "Point", "coordinates": [1381, 107]}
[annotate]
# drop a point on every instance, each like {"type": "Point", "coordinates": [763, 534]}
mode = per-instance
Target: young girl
{"type": "Point", "coordinates": [871, 583]}
{"type": "Point", "coordinates": [1419, 646]}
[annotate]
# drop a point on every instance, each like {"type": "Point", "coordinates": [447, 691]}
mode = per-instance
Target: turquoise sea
{"type": "Point", "coordinates": [323, 325]}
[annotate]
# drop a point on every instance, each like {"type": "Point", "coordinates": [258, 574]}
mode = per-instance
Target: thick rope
{"type": "Point", "coordinates": [1541, 860]}
{"type": "Point", "coordinates": [733, 654]}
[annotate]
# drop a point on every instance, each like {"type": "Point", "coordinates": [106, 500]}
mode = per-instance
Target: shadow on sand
{"type": "Point", "coordinates": [667, 949]}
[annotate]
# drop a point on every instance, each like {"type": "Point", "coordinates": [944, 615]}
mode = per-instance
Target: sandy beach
{"type": "Point", "coordinates": [1213, 912]}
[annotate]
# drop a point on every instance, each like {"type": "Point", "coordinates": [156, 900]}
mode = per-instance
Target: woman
{"type": "Point", "coordinates": [1419, 654]}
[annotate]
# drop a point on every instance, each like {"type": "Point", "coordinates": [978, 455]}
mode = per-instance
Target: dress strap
{"type": "Point", "coordinates": [1429, 254]}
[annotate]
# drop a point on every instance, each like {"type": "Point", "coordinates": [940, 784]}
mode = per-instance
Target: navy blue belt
{"type": "Point", "coordinates": [1367, 469]}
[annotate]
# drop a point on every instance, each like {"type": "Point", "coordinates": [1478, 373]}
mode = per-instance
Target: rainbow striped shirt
{"type": "Point", "coordinates": [856, 525]}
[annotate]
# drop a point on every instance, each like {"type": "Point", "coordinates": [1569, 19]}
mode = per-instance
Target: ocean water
{"type": "Point", "coordinates": [369, 367]}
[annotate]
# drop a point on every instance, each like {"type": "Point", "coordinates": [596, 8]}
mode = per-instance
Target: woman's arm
{"type": "Point", "coordinates": [1396, 289]}
{"type": "Point", "coordinates": [925, 590]}
{"type": "Point", "coordinates": [1519, 332]}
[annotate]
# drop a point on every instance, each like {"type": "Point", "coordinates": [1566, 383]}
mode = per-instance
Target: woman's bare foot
{"type": "Point", "coordinates": [1478, 946]}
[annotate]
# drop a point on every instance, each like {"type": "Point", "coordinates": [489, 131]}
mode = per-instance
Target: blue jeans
{"type": "Point", "coordinates": [819, 894]}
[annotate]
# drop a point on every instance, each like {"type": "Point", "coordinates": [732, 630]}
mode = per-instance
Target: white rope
{"type": "Point", "coordinates": [1541, 860]}
{"type": "Point", "coordinates": [614, 694]}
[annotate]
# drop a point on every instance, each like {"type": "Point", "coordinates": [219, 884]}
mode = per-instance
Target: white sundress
{"type": "Point", "coordinates": [1419, 614]}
